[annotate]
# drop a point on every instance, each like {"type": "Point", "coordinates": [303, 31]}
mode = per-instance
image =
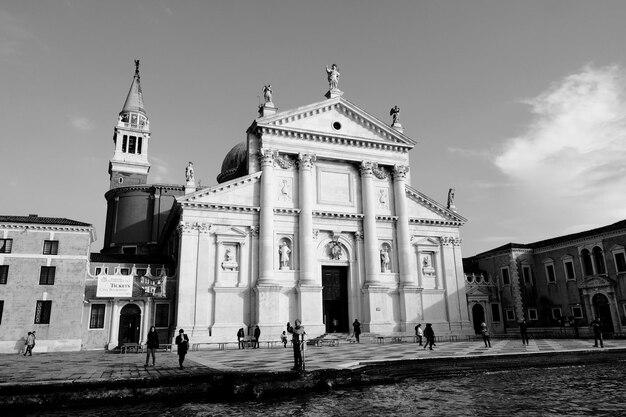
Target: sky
{"type": "Point", "coordinates": [518, 106]}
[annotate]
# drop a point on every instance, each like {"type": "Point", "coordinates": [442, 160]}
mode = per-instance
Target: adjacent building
{"type": "Point", "coordinates": [565, 281]}
{"type": "Point", "coordinates": [43, 266]}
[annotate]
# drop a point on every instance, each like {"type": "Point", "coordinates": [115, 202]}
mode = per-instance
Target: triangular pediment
{"type": "Point", "coordinates": [596, 282]}
{"type": "Point", "coordinates": [240, 192]}
{"type": "Point", "coordinates": [231, 232]}
{"type": "Point", "coordinates": [477, 291]}
{"type": "Point", "coordinates": [335, 117]}
{"type": "Point", "coordinates": [423, 209]}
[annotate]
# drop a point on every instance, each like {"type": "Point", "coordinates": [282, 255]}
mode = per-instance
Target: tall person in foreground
{"type": "Point", "coordinates": [297, 340]}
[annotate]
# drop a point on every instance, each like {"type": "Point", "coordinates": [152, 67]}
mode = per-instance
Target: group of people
{"type": "Point", "coordinates": [428, 334]}
{"type": "Point", "coordinates": [241, 338]}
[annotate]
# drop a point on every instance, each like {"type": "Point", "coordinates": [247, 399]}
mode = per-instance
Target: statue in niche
{"type": "Point", "coordinates": [163, 286]}
{"type": "Point", "coordinates": [284, 252]}
{"type": "Point", "coordinates": [427, 266]}
{"type": "Point", "coordinates": [382, 198]}
{"type": "Point", "coordinates": [229, 260]}
{"type": "Point", "coordinates": [335, 250]}
{"type": "Point", "coordinates": [267, 93]}
{"type": "Point", "coordinates": [284, 191]}
{"type": "Point", "coordinates": [385, 262]}
{"type": "Point", "coordinates": [333, 76]}
{"type": "Point", "coordinates": [451, 197]}
{"type": "Point", "coordinates": [189, 172]}
{"type": "Point", "coordinates": [395, 114]}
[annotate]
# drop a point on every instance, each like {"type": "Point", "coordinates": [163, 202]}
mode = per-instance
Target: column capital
{"type": "Point", "coordinates": [400, 171]}
{"type": "Point", "coordinates": [266, 157]}
{"type": "Point", "coordinates": [305, 160]}
{"type": "Point", "coordinates": [367, 168]}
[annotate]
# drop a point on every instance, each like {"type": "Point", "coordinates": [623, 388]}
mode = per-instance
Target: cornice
{"type": "Point", "coordinates": [50, 227]}
{"type": "Point", "coordinates": [142, 187]}
{"type": "Point", "coordinates": [432, 204]}
{"type": "Point", "coordinates": [337, 215]}
{"type": "Point", "coordinates": [237, 182]}
{"type": "Point", "coordinates": [387, 218]}
{"type": "Point", "coordinates": [319, 137]}
{"type": "Point", "coordinates": [577, 242]}
{"type": "Point", "coordinates": [292, 211]}
{"type": "Point", "coordinates": [219, 207]}
{"type": "Point", "coordinates": [436, 222]}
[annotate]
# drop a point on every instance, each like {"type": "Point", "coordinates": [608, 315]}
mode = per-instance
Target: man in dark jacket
{"type": "Point", "coordinates": [257, 334]}
{"type": "Point", "coordinates": [596, 326]}
{"type": "Point", "coordinates": [357, 330]}
{"type": "Point", "coordinates": [182, 342]}
{"type": "Point", "coordinates": [297, 340]}
{"type": "Point", "coordinates": [240, 338]}
{"type": "Point", "coordinates": [429, 334]}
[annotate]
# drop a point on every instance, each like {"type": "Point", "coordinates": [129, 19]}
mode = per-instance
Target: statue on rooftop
{"type": "Point", "coordinates": [189, 172]}
{"type": "Point", "coordinates": [333, 76]}
{"type": "Point", "coordinates": [395, 113]}
{"type": "Point", "coordinates": [267, 93]}
{"type": "Point", "coordinates": [451, 198]}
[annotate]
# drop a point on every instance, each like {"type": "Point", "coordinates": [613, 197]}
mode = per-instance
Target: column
{"type": "Point", "coordinates": [372, 266]}
{"type": "Point", "coordinates": [266, 232]}
{"type": "Point", "coordinates": [115, 325]}
{"type": "Point", "coordinates": [307, 272]}
{"type": "Point", "coordinates": [186, 283]}
{"type": "Point", "coordinates": [145, 320]}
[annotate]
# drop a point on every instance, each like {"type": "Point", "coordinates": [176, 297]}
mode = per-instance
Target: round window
{"type": "Point", "coordinates": [336, 125]}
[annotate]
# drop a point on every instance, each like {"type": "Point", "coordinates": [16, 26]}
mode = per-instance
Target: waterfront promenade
{"type": "Point", "coordinates": [47, 377]}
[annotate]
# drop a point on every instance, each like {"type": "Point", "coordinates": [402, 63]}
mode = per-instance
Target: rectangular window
{"type": "Point", "coordinates": [495, 312]}
{"type": "Point", "coordinates": [96, 319]}
{"type": "Point", "coordinates": [532, 314]}
{"type": "Point", "coordinates": [510, 314]}
{"type": "Point", "coordinates": [550, 273]}
{"type": "Point", "coordinates": [577, 312]}
{"type": "Point", "coordinates": [6, 245]}
{"type": "Point", "coordinates": [139, 140]}
{"type": "Point", "coordinates": [42, 312]}
{"type": "Point", "coordinates": [129, 250]}
{"type": "Point", "coordinates": [161, 315]}
{"type": "Point", "coordinates": [620, 262]}
{"type": "Point", "coordinates": [527, 277]}
{"type": "Point", "coordinates": [124, 141]}
{"type": "Point", "coordinates": [505, 276]}
{"type": "Point", "coordinates": [46, 277]}
{"type": "Point", "coordinates": [124, 271]}
{"type": "Point", "coordinates": [4, 273]}
{"type": "Point", "coordinates": [1, 309]}
{"type": "Point", "coordinates": [569, 270]}
{"type": "Point", "coordinates": [50, 247]}
{"type": "Point", "coordinates": [141, 272]}
{"type": "Point", "coordinates": [100, 270]}
{"type": "Point", "coordinates": [556, 313]}
{"type": "Point", "coordinates": [132, 140]}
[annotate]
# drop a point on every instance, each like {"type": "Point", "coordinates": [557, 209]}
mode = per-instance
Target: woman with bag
{"type": "Point", "coordinates": [152, 345]}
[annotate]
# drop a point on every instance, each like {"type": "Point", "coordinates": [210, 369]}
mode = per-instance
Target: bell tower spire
{"type": "Point", "coordinates": [129, 165]}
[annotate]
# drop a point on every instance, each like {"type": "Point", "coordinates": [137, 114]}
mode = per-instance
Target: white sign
{"type": "Point", "coordinates": [115, 286]}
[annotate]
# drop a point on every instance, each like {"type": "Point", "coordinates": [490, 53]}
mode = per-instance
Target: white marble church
{"type": "Point", "coordinates": [314, 217]}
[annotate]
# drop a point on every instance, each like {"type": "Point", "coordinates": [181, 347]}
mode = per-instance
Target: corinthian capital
{"type": "Point", "coordinates": [400, 171]}
{"type": "Point", "coordinates": [367, 168]}
{"type": "Point", "coordinates": [305, 160]}
{"type": "Point", "coordinates": [266, 157]}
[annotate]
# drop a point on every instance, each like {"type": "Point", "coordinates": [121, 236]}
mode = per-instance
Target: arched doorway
{"type": "Point", "coordinates": [478, 316]}
{"type": "Point", "coordinates": [602, 310]}
{"type": "Point", "coordinates": [130, 319]}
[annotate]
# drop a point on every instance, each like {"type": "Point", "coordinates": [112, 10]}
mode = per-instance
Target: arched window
{"type": "Point", "coordinates": [598, 256]}
{"type": "Point", "coordinates": [586, 260]}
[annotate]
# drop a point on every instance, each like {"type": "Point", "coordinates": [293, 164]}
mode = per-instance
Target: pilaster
{"type": "Point", "coordinates": [266, 232]}
{"type": "Point", "coordinates": [307, 270]}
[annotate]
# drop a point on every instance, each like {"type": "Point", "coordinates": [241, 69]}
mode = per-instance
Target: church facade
{"type": "Point", "coordinates": [314, 217]}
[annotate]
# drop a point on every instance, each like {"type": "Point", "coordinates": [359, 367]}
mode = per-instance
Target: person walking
{"type": "Point", "coordinates": [357, 330]}
{"type": "Point", "coordinates": [429, 334]}
{"type": "Point", "coordinates": [297, 340]}
{"type": "Point", "coordinates": [484, 329]}
{"type": "Point", "coordinates": [523, 330]}
{"type": "Point", "coordinates": [257, 334]}
{"type": "Point", "coordinates": [29, 343]}
{"type": "Point", "coordinates": [152, 345]}
{"type": "Point", "coordinates": [419, 333]}
{"type": "Point", "coordinates": [240, 338]}
{"type": "Point", "coordinates": [596, 326]}
{"type": "Point", "coordinates": [283, 338]}
{"type": "Point", "coordinates": [182, 343]}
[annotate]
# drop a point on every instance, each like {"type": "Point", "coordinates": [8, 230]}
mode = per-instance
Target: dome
{"type": "Point", "coordinates": [234, 164]}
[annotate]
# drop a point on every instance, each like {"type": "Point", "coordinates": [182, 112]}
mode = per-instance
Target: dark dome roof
{"type": "Point", "coordinates": [234, 164]}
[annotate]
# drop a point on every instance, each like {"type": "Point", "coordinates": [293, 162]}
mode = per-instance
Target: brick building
{"type": "Point", "coordinates": [43, 264]}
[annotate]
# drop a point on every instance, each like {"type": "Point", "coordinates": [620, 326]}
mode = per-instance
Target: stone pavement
{"type": "Point", "coordinates": [92, 366]}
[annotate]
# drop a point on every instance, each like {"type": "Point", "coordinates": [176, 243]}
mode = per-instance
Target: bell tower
{"type": "Point", "coordinates": [129, 165]}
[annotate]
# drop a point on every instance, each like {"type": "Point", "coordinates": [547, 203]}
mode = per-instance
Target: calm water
{"type": "Point", "coordinates": [598, 390]}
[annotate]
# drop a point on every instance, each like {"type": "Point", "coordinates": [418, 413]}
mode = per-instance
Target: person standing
{"type": "Point", "coordinates": [429, 334]}
{"type": "Point", "coordinates": [30, 343]}
{"type": "Point", "coordinates": [240, 338]}
{"type": "Point", "coordinates": [485, 332]}
{"type": "Point", "coordinates": [297, 340]}
{"type": "Point", "coordinates": [523, 330]}
{"type": "Point", "coordinates": [283, 338]}
{"type": "Point", "coordinates": [596, 326]}
{"type": "Point", "coordinates": [152, 345]}
{"type": "Point", "coordinates": [357, 330]}
{"type": "Point", "coordinates": [419, 333]}
{"type": "Point", "coordinates": [257, 334]}
{"type": "Point", "coordinates": [182, 343]}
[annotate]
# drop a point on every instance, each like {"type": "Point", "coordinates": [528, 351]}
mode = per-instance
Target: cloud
{"type": "Point", "coordinates": [573, 150]}
{"type": "Point", "coordinates": [160, 172]}
{"type": "Point", "coordinates": [471, 153]}
{"type": "Point", "coordinates": [14, 37]}
{"type": "Point", "coordinates": [81, 123]}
